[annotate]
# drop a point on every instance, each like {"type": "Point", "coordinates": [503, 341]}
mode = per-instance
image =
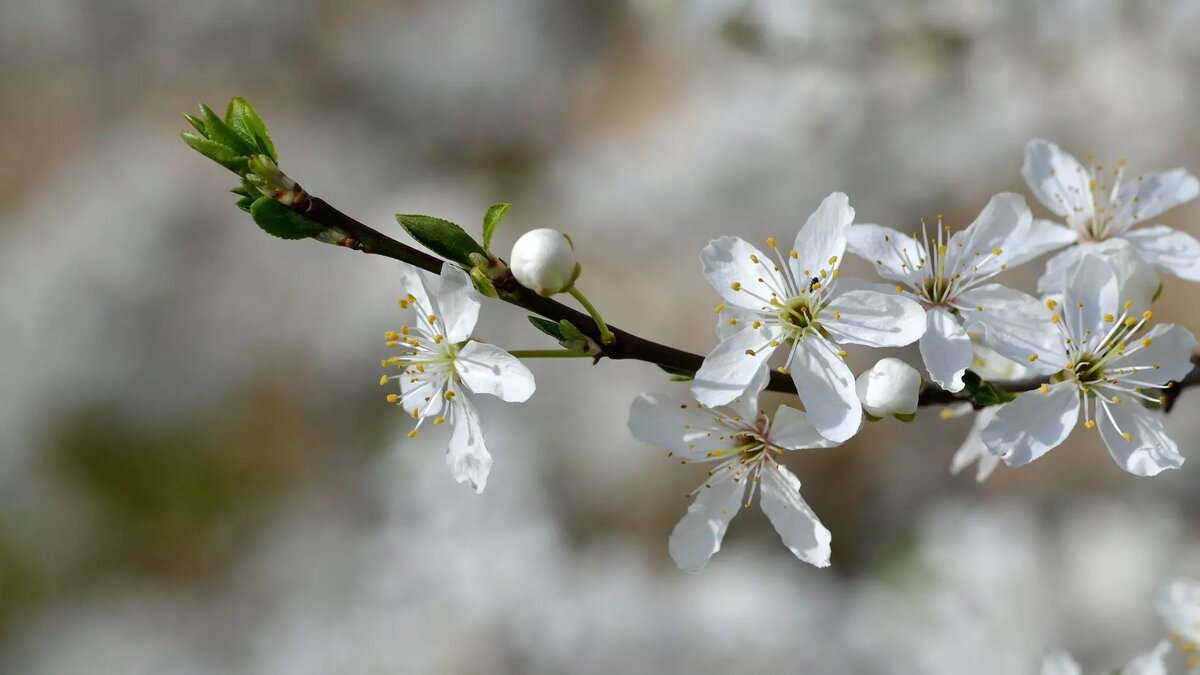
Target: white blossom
{"type": "Point", "coordinates": [745, 444]}
{"type": "Point", "coordinates": [439, 366]}
{"type": "Point", "coordinates": [1179, 606]}
{"type": "Point", "coordinates": [792, 298]}
{"type": "Point", "coordinates": [1110, 368]}
{"type": "Point", "coordinates": [543, 260]}
{"type": "Point", "coordinates": [1099, 206]}
{"type": "Point", "coordinates": [890, 387]}
{"type": "Point", "coordinates": [946, 273]}
{"type": "Point", "coordinates": [991, 367]}
{"type": "Point", "coordinates": [1147, 663]}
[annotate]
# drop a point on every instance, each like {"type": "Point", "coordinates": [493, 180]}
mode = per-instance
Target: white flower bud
{"type": "Point", "coordinates": [890, 387]}
{"type": "Point", "coordinates": [544, 261]}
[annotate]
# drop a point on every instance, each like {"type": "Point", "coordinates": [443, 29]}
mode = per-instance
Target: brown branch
{"type": "Point", "coordinates": [360, 237]}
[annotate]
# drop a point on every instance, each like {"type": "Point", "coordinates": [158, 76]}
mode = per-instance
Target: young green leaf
{"type": "Point", "coordinates": [196, 123]}
{"type": "Point", "coordinates": [678, 374]}
{"type": "Point", "coordinates": [241, 117]}
{"type": "Point", "coordinates": [278, 220]}
{"type": "Point", "coordinates": [219, 132]}
{"type": "Point", "coordinates": [491, 219]}
{"type": "Point", "coordinates": [221, 154]}
{"type": "Point", "coordinates": [442, 237]}
{"type": "Point", "coordinates": [548, 327]}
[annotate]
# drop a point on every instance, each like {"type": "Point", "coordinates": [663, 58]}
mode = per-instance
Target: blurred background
{"type": "Point", "coordinates": [198, 471]}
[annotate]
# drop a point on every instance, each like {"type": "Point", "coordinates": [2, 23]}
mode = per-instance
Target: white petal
{"type": "Point", "coordinates": [791, 430]}
{"type": "Point", "coordinates": [894, 254]}
{"type": "Point", "coordinates": [1033, 424]}
{"type": "Point", "coordinates": [973, 449]}
{"type": "Point", "coordinates": [1170, 250]}
{"type": "Point", "coordinates": [1044, 236]}
{"type": "Point", "coordinates": [466, 454]}
{"type": "Point", "coordinates": [1170, 350]}
{"type": "Point", "coordinates": [1054, 279]}
{"type": "Point", "coordinates": [1155, 193]}
{"type": "Point", "coordinates": [1151, 662]}
{"type": "Point", "coordinates": [1014, 325]}
{"type": "Point", "coordinates": [680, 426]}
{"type": "Point", "coordinates": [826, 388]}
{"type": "Point", "coordinates": [698, 534]}
{"type": "Point", "coordinates": [1149, 451]}
{"type": "Point", "coordinates": [423, 392]}
{"type": "Point", "coordinates": [420, 284]}
{"type": "Point", "coordinates": [946, 349]}
{"type": "Point", "coordinates": [745, 406]}
{"type": "Point", "coordinates": [728, 265]}
{"type": "Point", "coordinates": [728, 370]}
{"type": "Point", "coordinates": [1002, 225]}
{"type": "Point", "coordinates": [458, 303]}
{"type": "Point", "coordinates": [873, 319]}
{"type": "Point", "coordinates": [823, 237]}
{"type": "Point", "coordinates": [795, 522]}
{"type": "Point", "coordinates": [488, 369]}
{"type": "Point", "coordinates": [890, 387]}
{"type": "Point", "coordinates": [1178, 605]}
{"type": "Point", "coordinates": [1060, 663]}
{"type": "Point", "coordinates": [1057, 179]}
{"type": "Point", "coordinates": [741, 317]}
{"type": "Point", "coordinates": [1136, 278]}
{"type": "Point", "coordinates": [1093, 292]}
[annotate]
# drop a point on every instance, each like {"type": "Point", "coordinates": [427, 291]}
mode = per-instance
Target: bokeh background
{"type": "Point", "coordinates": [198, 472]}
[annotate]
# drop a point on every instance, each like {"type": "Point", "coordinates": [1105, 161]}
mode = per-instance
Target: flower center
{"type": "Point", "coordinates": [797, 317]}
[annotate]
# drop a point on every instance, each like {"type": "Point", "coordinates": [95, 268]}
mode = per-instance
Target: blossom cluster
{"type": "Point", "coordinates": [788, 315]}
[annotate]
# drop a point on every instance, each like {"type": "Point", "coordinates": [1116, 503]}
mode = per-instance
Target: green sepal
{"type": "Point", "coordinates": [678, 374]}
{"type": "Point", "coordinates": [491, 219]}
{"type": "Point", "coordinates": [221, 154]}
{"type": "Point", "coordinates": [442, 237]}
{"type": "Point", "coordinates": [905, 417]}
{"type": "Point", "coordinates": [870, 417]}
{"type": "Point", "coordinates": [548, 327]}
{"type": "Point", "coordinates": [219, 132]}
{"type": "Point", "coordinates": [482, 282]}
{"type": "Point", "coordinates": [982, 393]}
{"type": "Point", "coordinates": [241, 117]}
{"type": "Point", "coordinates": [1157, 292]}
{"type": "Point", "coordinates": [245, 203]}
{"type": "Point", "coordinates": [279, 221]}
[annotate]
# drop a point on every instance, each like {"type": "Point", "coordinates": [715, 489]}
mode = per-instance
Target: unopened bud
{"type": "Point", "coordinates": [544, 261]}
{"type": "Point", "coordinates": [890, 387]}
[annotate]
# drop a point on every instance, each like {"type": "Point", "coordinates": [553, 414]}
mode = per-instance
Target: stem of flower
{"type": "Point", "coordinates": [548, 354]}
{"type": "Point", "coordinates": [606, 335]}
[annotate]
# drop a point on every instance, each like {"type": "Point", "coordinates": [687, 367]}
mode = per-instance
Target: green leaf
{"type": "Point", "coordinates": [483, 283]}
{"type": "Point", "coordinates": [278, 220]}
{"type": "Point", "coordinates": [221, 154]}
{"type": "Point", "coordinates": [219, 132]}
{"type": "Point", "coordinates": [982, 393]}
{"type": "Point", "coordinates": [491, 219]}
{"type": "Point", "coordinates": [548, 327]}
{"type": "Point", "coordinates": [678, 374]}
{"type": "Point", "coordinates": [442, 237]}
{"type": "Point", "coordinates": [196, 123]}
{"type": "Point", "coordinates": [242, 118]}
{"type": "Point", "coordinates": [571, 333]}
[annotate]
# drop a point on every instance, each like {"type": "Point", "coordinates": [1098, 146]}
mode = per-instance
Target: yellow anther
{"type": "Point", "coordinates": [997, 251]}
{"type": "Point", "coordinates": [1146, 315]}
{"type": "Point", "coordinates": [733, 322]}
{"type": "Point", "coordinates": [816, 286]}
{"type": "Point", "coordinates": [1130, 322]}
{"type": "Point", "coordinates": [1055, 319]}
{"type": "Point", "coordinates": [771, 242]}
{"type": "Point", "coordinates": [774, 343]}
{"type": "Point", "coordinates": [431, 318]}
{"type": "Point", "coordinates": [448, 395]}
{"type": "Point", "coordinates": [1127, 436]}
{"type": "Point", "coordinates": [1116, 399]}
{"type": "Point", "coordinates": [753, 258]}
{"type": "Point", "coordinates": [1033, 357]}
{"type": "Point", "coordinates": [391, 336]}
{"type": "Point", "coordinates": [390, 343]}
{"type": "Point", "coordinates": [842, 353]}
{"type": "Point", "coordinates": [783, 370]}
{"type": "Point", "coordinates": [437, 339]}
{"type": "Point", "coordinates": [942, 249]}
{"type": "Point", "coordinates": [438, 420]}
{"type": "Point", "coordinates": [718, 308]}
{"type": "Point", "coordinates": [946, 413]}
{"type": "Point", "coordinates": [837, 315]}
{"type": "Point", "coordinates": [756, 324]}
{"type": "Point", "coordinates": [1091, 424]}
{"type": "Point", "coordinates": [1044, 388]}
{"type": "Point", "coordinates": [899, 288]}
{"type": "Point", "coordinates": [403, 303]}
{"type": "Point", "coordinates": [1109, 318]}
{"type": "Point", "coordinates": [1128, 304]}
{"type": "Point", "coordinates": [416, 414]}
{"type": "Point", "coordinates": [795, 256]}
{"type": "Point", "coordinates": [832, 259]}
{"type": "Point", "coordinates": [1145, 342]}
{"type": "Point", "coordinates": [978, 308]}
{"type": "Point", "coordinates": [383, 380]}
{"type": "Point", "coordinates": [1051, 304]}
{"type": "Point", "coordinates": [404, 330]}
{"type": "Point", "coordinates": [392, 398]}
{"type": "Point", "coordinates": [412, 434]}
{"type": "Point", "coordinates": [824, 274]}
{"type": "Point", "coordinates": [737, 286]}
{"type": "Point", "coordinates": [749, 352]}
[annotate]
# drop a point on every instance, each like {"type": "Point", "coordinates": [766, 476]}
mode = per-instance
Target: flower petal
{"type": "Point", "coordinates": [1033, 424]}
{"type": "Point", "coordinates": [795, 522]}
{"type": "Point", "coordinates": [973, 449]}
{"type": "Point", "coordinates": [466, 454]}
{"type": "Point", "coordinates": [826, 388]}
{"type": "Point", "coordinates": [1054, 279]}
{"type": "Point", "coordinates": [682, 427]}
{"type": "Point", "coordinates": [873, 319]}
{"type": "Point", "coordinates": [1057, 179]}
{"type": "Point", "coordinates": [1151, 662]}
{"type": "Point", "coordinates": [458, 303]}
{"type": "Point", "coordinates": [1168, 358]}
{"type": "Point", "coordinates": [1043, 236]}
{"type": "Point", "coordinates": [1149, 451]}
{"type": "Point", "coordinates": [1001, 226]}
{"type": "Point", "coordinates": [1154, 193]}
{"type": "Point", "coordinates": [823, 237]}
{"type": "Point", "coordinates": [791, 430]}
{"type": "Point", "coordinates": [1093, 292]}
{"type": "Point", "coordinates": [728, 265]}
{"type": "Point", "coordinates": [1014, 325]}
{"type": "Point", "coordinates": [488, 369]}
{"type": "Point", "coordinates": [697, 536]}
{"type": "Point", "coordinates": [894, 254]}
{"type": "Point", "coordinates": [421, 394]}
{"type": "Point", "coordinates": [732, 319]}
{"type": "Point", "coordinates": [1178, 605]}
{"type": "Point", "coordinates": [1170, 250]}
{"type": "Point", "coordinates": [946, 349]}
{"type": "Point", "coordinates": [419, 284]}
{"type": "Point", "coordinates": [729, 370]}
{"type": "Point", "coordinates": [1060, 663]}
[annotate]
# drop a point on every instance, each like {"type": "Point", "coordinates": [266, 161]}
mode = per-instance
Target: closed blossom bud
{"type": "Point", "coordinates": [890, 387]}
{"type": "Point", "coordinates": [543, 260]}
